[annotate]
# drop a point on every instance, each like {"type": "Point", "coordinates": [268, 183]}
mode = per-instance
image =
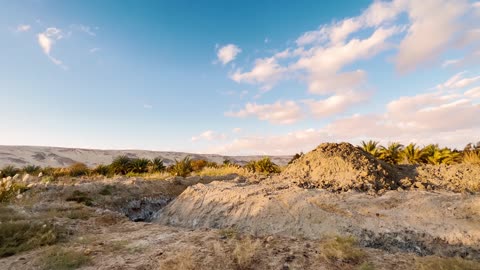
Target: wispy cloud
{"type": "Point", "coordinates": [47, 40]}
{"type": "Point", "coordinates": [209, 135]}
{"type": "Point", "coordinates": [228, 53]}
{"type": "Point", "coordinates": [280, 112]}
{"type": "Point", "coordinates": [94, 50]}
{"type": "Point", "coordinates": [23, 28]}
{"type": "Point", "coordinates": [85, 29]}
{"type": "Point", "coordinates": [147, 106]}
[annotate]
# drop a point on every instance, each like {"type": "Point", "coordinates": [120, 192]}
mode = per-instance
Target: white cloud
{"type": "Point", "coordinates": [266, 72]}
{"type": "Point", "coordinates": [209, 135]}
{"type": "Point", "coordinates": [433, 26]}
{"type": "Point", "coordinates": [85, 29]}
{"type": "Point", "coordinates": [473, 93]}
{"type": "Point", "coordinates": [335, 104]}
{"type": "Point", "coordinates": [23, 28]}
{"type": "Point", "coordinates": [280, 112]}
{"type": "Point", "coordinates": [459, 81]}
{"type": "Point", "coordinates": [47, 40]}
{"type": "Point", "coordinates": [228, 53]}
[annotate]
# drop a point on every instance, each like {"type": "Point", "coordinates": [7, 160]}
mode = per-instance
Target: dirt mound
{"type": "Point", "coordinates": [441, 221]}
{"type": "Point", "coordinates": [457, 177]}
{"type": "Point", "coordinates": [341, 167]}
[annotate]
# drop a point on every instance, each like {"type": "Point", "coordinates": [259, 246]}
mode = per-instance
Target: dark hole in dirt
{"type": "Point", "coordinates": [143, 210]}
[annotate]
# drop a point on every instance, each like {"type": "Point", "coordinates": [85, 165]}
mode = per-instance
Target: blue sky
{"type": "Point", "coordinates": [238, 77]}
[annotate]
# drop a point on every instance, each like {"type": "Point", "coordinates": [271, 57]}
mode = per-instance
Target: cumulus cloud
{"type": "Point", "coordinates": [335, 104]}
{"type": "Point", "coordinates": [228, 53]}
{"type": "Point", "coordinates": [23, 28]}
{"type": "Point", "coordinates": [280, 112]}
{"type": "Point", "coordinates": [433, 25]}
{"type": "Point", "coordinates": [266, 72]}
{"type": "Point", "coordinates": [47, 40]}
{"type": "Point", "coordinates": [209, 135]}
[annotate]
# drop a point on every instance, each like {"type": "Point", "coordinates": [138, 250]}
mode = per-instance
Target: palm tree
{"type": "Point", "coordinates": [413, 154]}
{"type": "Point", "coordinates": [371, 147]}
{"type": "Point", "coordinates": [434, 155]}
{"type": "Point", "coordinates": [121, 165]}
{"type": "Point", "coordinates": [392, 153]}
{"type": "Point", "coordinates": [139, 165]}
{"type": "Point", "coordinates": [156, 165]}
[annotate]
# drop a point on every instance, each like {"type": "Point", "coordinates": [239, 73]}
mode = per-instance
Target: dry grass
{"type": "Point", "coordinates": [224, 170]}
{"type": "Point", "coordinates": [183, 260]}
{"type": "Point", "coordinates": [436, 263]}
{"type": "Point", "coordinates": [63, 259]}
{"type": "Point", "coordinates": [23, 235]}
{"type": "Point", "coordinates": [471, 157]}
{"type": "Point", "coordinates": [245, 253]}
{"type": "Point", "coordinates": [343, 249]}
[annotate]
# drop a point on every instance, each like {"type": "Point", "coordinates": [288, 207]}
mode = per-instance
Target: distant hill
{"type": "Point", "coordinates": [20, 156]}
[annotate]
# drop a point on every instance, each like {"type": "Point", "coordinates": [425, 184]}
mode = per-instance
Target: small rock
{"type": "Point", "coordinates": [26, 177]}
{"type": "Point", "coordinates": [16, 176]}
{"type": "Point", "coordinates": [419, 185]}
{"type": "Point", "coordinates": [19, 196]}
{"type": "Point", "coordinates": [40, 174]}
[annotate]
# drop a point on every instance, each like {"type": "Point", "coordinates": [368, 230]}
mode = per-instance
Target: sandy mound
{"type": "Point", "coordinates": [421, 222]}
{"type": "Point", "coordinates": [457, 178]}
{"type": "Point", "coordinates": [341, 167]}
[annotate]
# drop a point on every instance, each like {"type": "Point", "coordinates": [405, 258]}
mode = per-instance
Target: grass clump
{"type": "Point", "coordinates": [63, 259]}
{"type": "Point", "coordinates": [343, 249]}
{"type": "Point", "coordinates": [10, 189]}
{"type": "Point", "coordinates": [224, 170]}
{"type": "Point", "coordinates": [9, 170]}
{"type": "Point", "coordinates": [18, 236]}
{"type": "Point", "coordinates": [80, 197]}
{"type": "Point", "coordinates": [454, 263]}
{"type": "Point", "coordinates": [245, 253]}
{"type": "Point", "coordinates": [182, 167]}
{"type": "Point", "coordinates": [32, 169]}
{"type": "Point", "coordinates": [264, 165]}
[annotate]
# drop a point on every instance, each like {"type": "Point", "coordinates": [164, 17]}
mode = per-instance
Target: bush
{"type": "Point", "coordinates": [139, 165]}
{"type": "Point", "coordinates": [9, 170]}
{"type": "Point", "coordinates": [63, 259]}
{"type": "Point", "coordinates": [182, 168]}
{"type": "Point", "coordinates": [18, 236]}
{"type": "Point", "coordinates": [224, 170]}
{"type": "Point", "coordinates": [32, 169]}
{"type": "Point", "coordinates": [80, 197]}
{"type": "Point", "coordinates": [265, 165]}
{"type": "Point", "coordinates": [295, 157]}
{"type": "Point", "coordinates": [10, 189]}
{"type": "Point", "coordinates": [199, 164]}
{"type": "Point", "coordinates": [102, 170]}
{"type": "Point", "coordinates": [156, 165]}
{"type": "Point", "coordinates": [121, 165]}
{"type": "Point", "coordinates": [78, 169]}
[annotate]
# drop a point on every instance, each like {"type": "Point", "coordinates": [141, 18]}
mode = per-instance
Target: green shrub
{"type": "Point", "coordinates": [63, 259]}
{"type": "Point", "coordinates": [156, 165]}
{"type": "Point", "coordinates": [102, 170]}
{"type": "Point", "coordinates": [182, 168]}
{"type": "Point", "coordinates": [139, 165]}
{"type": "Point", "coordinates": [78, 169]}
{"type": "Point", "coordinates": [80, 197]}
{"type": "Point", "coordinates": [121, 165]}
{"type": "Point", "coordinates": [32, 169]}
{"type": "Point", "coordinates": [264, 165]}
{"type": "Point", "coordinates": [9, 170]}
{"type": "Point", "coordinates": [18, 236]}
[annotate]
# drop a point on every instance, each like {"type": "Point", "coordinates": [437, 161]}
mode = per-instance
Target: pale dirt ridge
{"type": "Point", "coordinates": [63, 157]}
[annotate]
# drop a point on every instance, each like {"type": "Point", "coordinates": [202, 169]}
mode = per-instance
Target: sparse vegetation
{"type": "Point", "coordinates": [455, 263]}
{"type": "Point", "coordinates": [10, 189]}
{"type": "Point", "coordinates": [102, 170]}
{"type": "Point", "coordinates": [245, 252]}
{"type": "Point", "coordinates": [181, 167]}
{"type": "Point", "coordinates": [224, 170]}
{"type": "Point", "coordinates": [63, 259]}
{"type": "Point", "coordinates": [32, 169]}
{"type": "Point", "coordinates": [156, 165]}
{"type": "Point", "coordinates": [121, 165]}
{"type": "Point", "coordinates": [23, 235]}
{"type": "Point", "coordinates": [80, 197]}
{"type": "Point", "coordinates": [78, 169]}
{"type": "Point", "coordinates": [9, 171]}
{"type": "Point", "coordinates": [264, 165]}
{"type": "Point", "coordinates": [343, 249]}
